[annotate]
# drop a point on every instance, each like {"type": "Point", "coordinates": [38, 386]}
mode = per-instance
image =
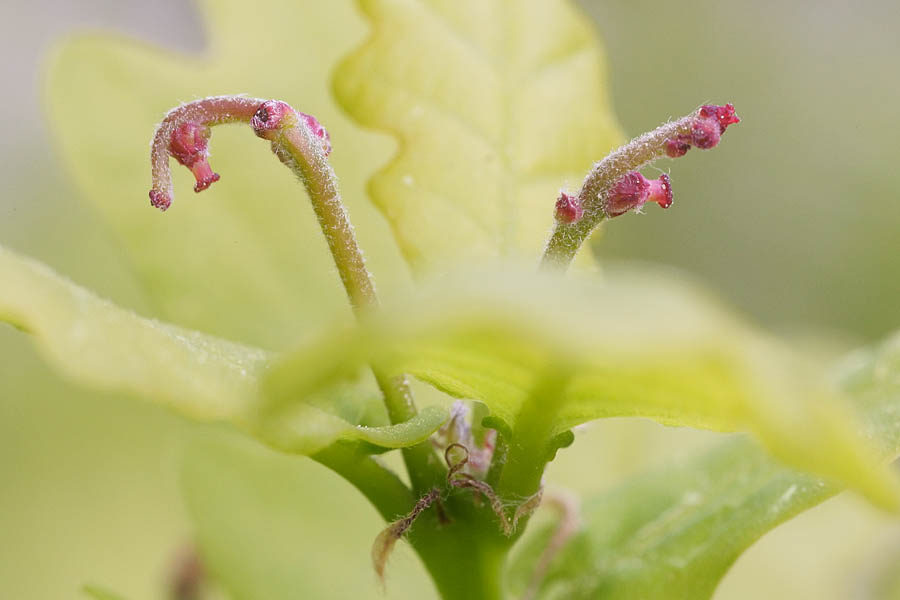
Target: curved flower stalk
{"type": "Point", "coordinates": [184, 135]}
{"type": "Point", "coordinates": [303, 145]}
{"type": "Point", "coordinates": [614, 187]}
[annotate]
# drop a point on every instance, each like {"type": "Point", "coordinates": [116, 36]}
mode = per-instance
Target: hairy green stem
{"type": "Point", "coordinates": [465, 558]}
{"type": "Point", "coordinates": [387, 493]}
{"type": "Point", "coordinates": [299, 150]}
{"type": "Point", "coordinates": [567, 238]}
{"type": "Point", "coordinates": [529, 451]}
{"type": "Point", "coordinates": [184, 134]}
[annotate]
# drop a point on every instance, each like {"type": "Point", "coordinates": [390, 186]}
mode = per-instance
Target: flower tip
{"type": "Point", "coordinates": [724, 115]}
{"type": "Point", "coordinates": [705, 133]}
{"type": "Point", "coordinates": [707, 127]}
{"type": "Point", "coordinates": [204, 175]}
{"type": "Point", "coordinates": [661, 191]}
{"type": "Point", "coordinates": [676, 147]}
{"type": "Point", "coordinates": [711, 123]}
{"type": "Point", "coordinates": [189, 143]}
{"type": "Point", "coordinates": [319, 131]}
{"type": "Point", "coordinates": [633, 190]}
{"type": "Point", "coordinates": [160, 200]}
{"type": "Point", "coordinates": [271, 116]}
{"type": "Point", "coordinates": [568, 208]}
{"type": "Point", "coordinates": [274, 115]}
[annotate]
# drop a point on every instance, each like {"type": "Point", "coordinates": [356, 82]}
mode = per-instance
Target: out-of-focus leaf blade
{"type": "Point", "coordinates": [245, 259]}
{"type": "Point", "coordinates": [273, 527]}
{"type": "Point", "coordinates": [675, 533]}
{"type": "Point", "coordinates": [100, 593]}
{"type": "Point", "coordinates": [495, 106]}
{"type": "Point", "coordinates": [100, 345]}
{"type": "Point", "coordinates": [634, 345]}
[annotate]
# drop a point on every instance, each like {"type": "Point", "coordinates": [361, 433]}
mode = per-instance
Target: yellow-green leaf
{"type": "Point", "coordinates": [274, 528]}
{"type": "Point", "coordinates": [95, 343]}
{"type": "Point", "coordinates": [632, 345]}
{"type": "Point", "coordinates": [244, 260]}
{"type": "Point", "coordinates": [307, 429]}
{"type": "Point", "coordinates": [495, 106]}
{"type": "Point", "coordinates": [102, 346]}
{"type": "Point", "coordinates": [674, 533]}
{"type": "Point", "coordinates": [100, 593]}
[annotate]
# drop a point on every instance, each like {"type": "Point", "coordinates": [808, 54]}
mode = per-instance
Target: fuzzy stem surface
{"type": "Point", "coordinates": [567, 238]}
{"type": "Point", "coordinates": [302, 153]}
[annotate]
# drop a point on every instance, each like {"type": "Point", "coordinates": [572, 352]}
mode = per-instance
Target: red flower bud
{"type": "Point", "coordinates": [188, 143]}
{"type": "Point", "coordinates": [160, 200]}
{"type": "Point", "coordinates": [271, 117]}
{"type": "Point", "coordinates": [190, 147]}
{"type": "Point", "coordinates": [568, 208]}
{"type": "Point", "coordinates": [661, 191]}
{"type": "Point", "coordinates": [633, 190]}
{"type": "Point", "coordinates": [319, 131]}
{"type": "Point", "coordinates": [724, 115]}
{"type": "Point", "coordinates": [629, 192]}
{"type": "Point", "coordinates": [676, 147]}
{"type": "Point", "coordinates": [707, 128]}
{"type": "Point", "coordinates": [705, 133]}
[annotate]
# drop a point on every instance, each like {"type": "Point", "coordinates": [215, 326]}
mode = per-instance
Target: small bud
{"type": "Point", "coordinates": [705, 133]}
{"type": "Point", "coordinates": [633, 190]}
{"type": "Point", "coordinates": [272, 116]}
{"type": "Point", "coordinates": [661, 191]}
{"type": "Point", "coordinates": [707, 127]}
{"type": "Point", "coordinates": [190, 147]}
{"type": "Point", "coordinates": [189, 142]}
{"type": "Point", "coordinates": [160, 200]}
{"type": "Point", "coordinates": [319, 131]}
{"type": "Point", "coordinates": [724, 115]}
{"type": "Point", "coordinates": [568, 208]}
{"type": "Point", "coordinates": [458, 432]}
{"type": "Point", "coordinates": [676, 148]}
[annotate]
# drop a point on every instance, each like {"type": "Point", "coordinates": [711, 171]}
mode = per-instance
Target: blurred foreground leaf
{"type": "Point", "coordinates": [495, 104]}
{"type": "Point", "coordinates": [632, 345]}
{"type": "Point", "coordinates": [102, 346]}
{"type": "Point", "coordinates": [675, 533]}
{"type": "Point", "coordinates": [100, 593]}
{"type": "Point", "coordinates": [279, 528]}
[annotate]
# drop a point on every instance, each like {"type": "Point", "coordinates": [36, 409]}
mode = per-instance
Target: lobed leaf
{"type": "Point", "coordinates": [676, 532]}
{"type": "Point", "coordinates": [246, 259]}
{"type": "Point", "coordinates": [629, 346]}
{"type": "Point", "coordinates": [102, 346]}
{"type": "Point", "coordinates": [494, 107]}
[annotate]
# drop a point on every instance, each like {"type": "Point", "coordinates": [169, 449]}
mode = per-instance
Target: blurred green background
{"type": "Point", "coordinates": [795, 221]}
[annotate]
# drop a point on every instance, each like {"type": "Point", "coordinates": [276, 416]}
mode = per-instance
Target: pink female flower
{"type": "Point", "coordinates": [633, 190]}
{"type": "Point", "coordinates": [184, 135]}
{"type": "Point", "coordinates": [707, 128]}
{"type": "Point", "coordinates": [568, 208]}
